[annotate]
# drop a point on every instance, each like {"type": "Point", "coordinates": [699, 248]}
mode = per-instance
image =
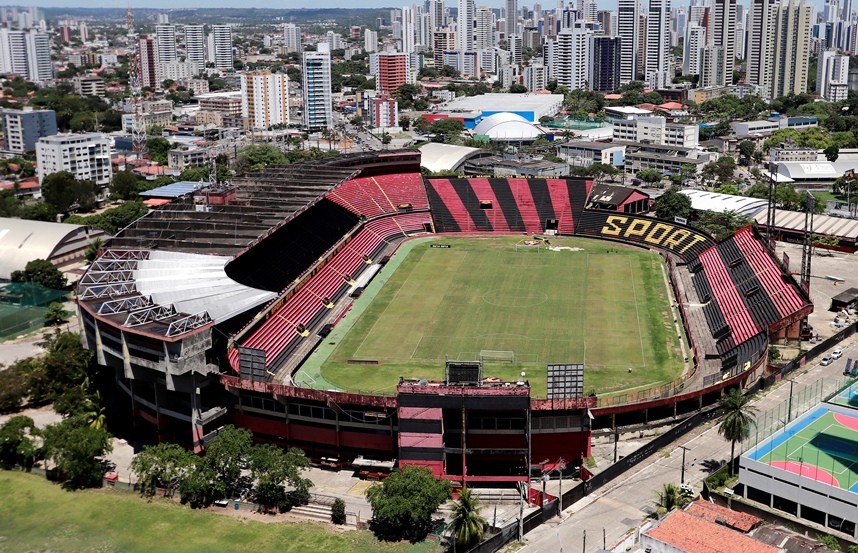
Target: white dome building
{"type": "Point", "coordinates": [507, 127]}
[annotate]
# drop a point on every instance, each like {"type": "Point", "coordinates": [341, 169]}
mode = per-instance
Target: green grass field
{"type": "Point", "coordinates": [608, 310]}
{"type": "Point", "coordinates": [36, 515]}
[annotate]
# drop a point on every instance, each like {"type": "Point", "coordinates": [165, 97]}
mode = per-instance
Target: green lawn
{"type": "Point", "coordinates": [608, 310]}
{"type": "Point", "coordinates": [36, 515]}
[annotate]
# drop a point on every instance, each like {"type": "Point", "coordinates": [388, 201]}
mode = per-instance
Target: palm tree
{"type": "Point", "coordinates": [466, 525]}
{"type": "Point", "coordinates": [669, 498]}
{"type": "Point", "coordinates": [737, 421]}
{"type": "Point", "coordinates": [95, 411]}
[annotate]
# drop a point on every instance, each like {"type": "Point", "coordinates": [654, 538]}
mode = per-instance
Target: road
{"type": "Point", "coordinates": [620, 506]}
{"type": "Point", "coordinates": [11, 352]}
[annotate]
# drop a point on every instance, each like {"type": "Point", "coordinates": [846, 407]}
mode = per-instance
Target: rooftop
{"type": "Point", "coordinates": [702, 200]}
{"type": "Point", "coordinates": [506, 102]}
{"type": "Point", "coordinates": [743, 522]}
{"type": "Point", "coordinates": [689, 533]}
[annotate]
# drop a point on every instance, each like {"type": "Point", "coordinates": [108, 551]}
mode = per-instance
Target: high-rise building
{"type": "Point", "coordinates": [658, 44]}
{"type": "Point", "coordinates": [86, 156]}
{"type": "Point", "coordinates": [628, 29]}
{"type": "Point", "coordinates": [721, 32]}
{"type": "Point", "coordinates": [26, 54]}
{"type": "Point", "coordinates": [84, 32]}
{"type": "Point", "coordinates": [292, 37]}
{"type": "Point", "coordinates": [444, 41]}
{"type": "Point", "coordinates": [608, 22]}
{"type": "Point", "coordinates": [195, 44]}
{"type": "Point", "coordinates": [391, 70]}
{"type": "Point", "coordinates": [40, 67]}
{"type": "Point", "coordinates": [166, 43]}
{"type": "Point", "coordinates": [511, 18]}
{"type": "Point", "coordinates": [515, 50]}
{"type": "Point", "coordinates": [147, 62]}
{"type": "Point", "coordinates": [436, 13]}
{"type": "Point", "coordinates": [832, 76]}
{"type": "Point", "coordinates": [163, 19]}
{"type": "Point", "coordinates": [318, 109]}
{"type": "Point", "coordinates": [383, 112]}
{"type": "Point", "coordinates": [692, 48]}
{"type": "Point", "coordinates": [23, 128]}
{"type": "Point", "coordinates": [484, 30]}
{"type": "Point", "coordinates": [779, 47]}
{"type": "Point", "coordinates": [465, 26]}
{"type": "Point", "coordinates": [604, 68]}
{"type": "Point", "coordinates": [409, 30]}
{"type": "Point", "coordinates": [265, 98]}
{"type": "Point", "coordinates": [370, 40]}
{"type": "Point", "coordinates": [220, 46]}
{"type": "Point", "coordinates": [571, 63]}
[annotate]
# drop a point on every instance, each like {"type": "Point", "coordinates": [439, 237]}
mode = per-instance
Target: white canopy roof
{"type": "Point", "coordinates": [507, 126]}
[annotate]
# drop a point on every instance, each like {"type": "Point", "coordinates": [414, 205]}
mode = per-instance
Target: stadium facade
{"type": "Point", "coordinates": [206, 307]}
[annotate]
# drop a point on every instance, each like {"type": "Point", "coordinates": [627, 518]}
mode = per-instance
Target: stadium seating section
{"type": "Point", "coordinates": [380, 194]}
{"type": "Point", "coordinates": [744, 291]}
{"type": "Point", "coordinates": [279, 335]}
{"type": "Point", "coordinates": [506, 205]}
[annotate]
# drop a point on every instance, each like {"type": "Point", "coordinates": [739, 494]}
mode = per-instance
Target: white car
{"type": "Point", "coordinates": [837, 354]}
{"type": "Point", "coordinates": [827, 360]}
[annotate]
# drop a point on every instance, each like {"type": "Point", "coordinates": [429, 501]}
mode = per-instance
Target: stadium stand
{"type": "Point", "coordinates": [279, 335]}
{"type": "Point", "coordinates": [730, 301]}
{"type": "Point", "coordinates": [380, 194]}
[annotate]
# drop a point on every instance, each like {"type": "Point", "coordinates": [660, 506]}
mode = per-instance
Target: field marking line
{"type": "Point", "coordinates": [380, 317]}
{"type": "Point", "coordinates": [807, 441]}
{"type": "Point", "coordinates": [637, 311]}
{"type": "Point", "coordinates": [417, 346]}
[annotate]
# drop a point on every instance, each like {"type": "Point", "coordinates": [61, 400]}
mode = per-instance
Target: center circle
{"type": "Point", "coordinates": [514, 297]}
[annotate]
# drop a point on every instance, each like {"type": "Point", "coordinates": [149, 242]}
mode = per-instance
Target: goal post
{"type": "Point", "coordinates": [498, 356]}
{"type": "Point", "coordinates": [522, 246]}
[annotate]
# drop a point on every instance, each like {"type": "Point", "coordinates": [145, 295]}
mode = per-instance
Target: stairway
{"type": "Point", "coordinates": [313, 510]}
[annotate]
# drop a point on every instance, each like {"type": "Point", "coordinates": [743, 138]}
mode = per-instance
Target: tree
{"type": "Point", "coordinates": [722, 225]}
{"type": "Point", "coordinates": [162, 466]}
{"type": "Point", "coordinates": [158, 147]}
{"type": "Point", "coordinates": [445, 130]}
{"type": "Point", "coordinates": [672, 204]}
{"type": "Point", "coordinates": [40, 212]}
{"type": "Point", "coordinates": [55, 315]}
{"type": "Point", "coordinates": [826, 241]}
{"type": "Point", "coordinates": [649, 176]}
{"type": "Point", "coordinates": [226, 456]}
{"type": "Point", "coordinates": [466, 524]}
{"type": "Point", "coordinates": [403, 504]}
{"type": "Point", "coordinates": [92, 249]}
{"type": "Point", "coordinates": [669, 498]}
{"type": "Point", "coordinates": [41, 272]}
{"type": "Point", "coordinates": [404, 122]}
{"type": "Point", "coordinates": [60, 190]}
{"type": "Point", "coordinates": [66, 364]}
{"type": "Point", "coordinates": [728, 189]}
{"type": "Point", "coordinates": [747, 149]}
{"type": "Point", "coordinates": [17, 446]}
{"type": "Point", "coordinates": [124, 184]}
{"type": "Point", "coordinates": [831, 153]}
{"type": "Point", "coordinates": [737, 421]}
{"type": "Point", "coordinates": [517, 89]}
{"type": "Point", "coordinates": [272, 470]}
{"type": "Point", "coordinates": [257, 156]}
{"type": "Point", "coordinates": [13, 387]}
{"type": "Point", "coordinates": [338, 511]}
{"type": "Point", "coordinates": [386, 138]}
{"type": "Point", "coordinates": [75, 447]}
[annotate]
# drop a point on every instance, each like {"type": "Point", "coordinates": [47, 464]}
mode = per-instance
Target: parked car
{"type": "Point", "coordinates": [837, 354]}
{"type": "Point", "coordinates": [827, 360]}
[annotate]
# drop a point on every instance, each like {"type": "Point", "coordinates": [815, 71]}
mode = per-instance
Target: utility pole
{"type": "Point", "coordinates": [584, 549]}
{"type": "Point", "coordinates": [789, 405]}
{"type": "Point", "coordinates": [682, 471]}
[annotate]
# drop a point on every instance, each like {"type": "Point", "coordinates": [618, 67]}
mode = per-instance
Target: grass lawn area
{"type": "Point", "coordinates": [37, 515]}
{"type": "Point", "coordinates": [608, 310]}
{"type": "Point", "coordinates": [823, 197]}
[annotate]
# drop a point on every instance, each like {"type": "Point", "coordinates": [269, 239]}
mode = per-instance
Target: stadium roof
{"type": "Point", "coordinates": [174, 190]}
{"type": "Point", "coordinates": [507, 126]}
{"type": "Point", "coordinates": [822, 224]}
{"type": "Point", "coordinates": [22, 241]}
{"type": "Point", "coordinates": [815, 170]}
{"type": "Point", "coordinates": [541, 104]}
{"type": "Point", "coordinates": [445, 157]}
{"type": "Point", "coordinates": [702, 200]}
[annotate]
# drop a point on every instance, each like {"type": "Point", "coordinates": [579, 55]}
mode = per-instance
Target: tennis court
{"type": "Point", "coordinates": [821, 445]}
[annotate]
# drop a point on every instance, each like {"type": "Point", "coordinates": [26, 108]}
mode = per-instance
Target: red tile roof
{"type": "Point", "coordinates": [695, 535]}
{"type": "Point", "coordinates": [742, 522]}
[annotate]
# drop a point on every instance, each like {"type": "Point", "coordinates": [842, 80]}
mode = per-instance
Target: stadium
{"type": "Point", "coordinates": [370, 316]}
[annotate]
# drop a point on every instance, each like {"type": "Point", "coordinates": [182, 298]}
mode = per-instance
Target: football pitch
{"type": "Point", "coordinates": [594, 302]}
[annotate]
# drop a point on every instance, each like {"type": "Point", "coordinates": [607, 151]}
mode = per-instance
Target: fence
{"type": "Point", "coordinates": [23, 306]}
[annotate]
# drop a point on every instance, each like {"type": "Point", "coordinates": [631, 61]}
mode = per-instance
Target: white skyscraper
{"type": "Point", "coordinates": [692, 48]}
{"type": "Point", "coordinates": [292, 37]}
{"type": "Point", "coordinates": [571, 55]}
{"type": "Point", "coordinates": [779, 47]}
{"type": "Point", "coordinates": [465, 26]}
{"type": "Point", "coordinates": [832, 76]}
{"type": "Point", "coordinates": [318, 108]}
{"type": "Point", "coordinates": [436, 14]}
{"type": "Point", "coordinates": [166, 43]}
{"type": "Point", "coordinates": [39, 65]}
{"type": "Point", "coordinates": [265, 98]}
{"type": "Point", "coordinates": [195, 44]}
{"type": "Point", "coordinates": [220, 46]}
{"type": "Point", "coordinates": [658, 44]}
{"type": "Point", "coordinates": [483, 35]}
{"type": "Point", "coordinates": [370, 40]}
{"type": "Point", "coordinates": [409, 31]}
{"type": "Point", "coordinates": [628, 29]}
{"type": "Point", "coordinates": [26, 54]}
{"type": "Point", "coordinates": [721, 34]}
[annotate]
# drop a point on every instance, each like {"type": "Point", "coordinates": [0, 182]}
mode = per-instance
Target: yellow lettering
{"type": "Point", "coordinates": [637, 228]}
{"type": "Point", "coordinates": [613, 221]}
{"type": "Point", "coordinates": [678, 237]}
{"type": "Point", "coordinates": [658, 233]}
{"type": "Point", "coordinates": [695, 238]}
